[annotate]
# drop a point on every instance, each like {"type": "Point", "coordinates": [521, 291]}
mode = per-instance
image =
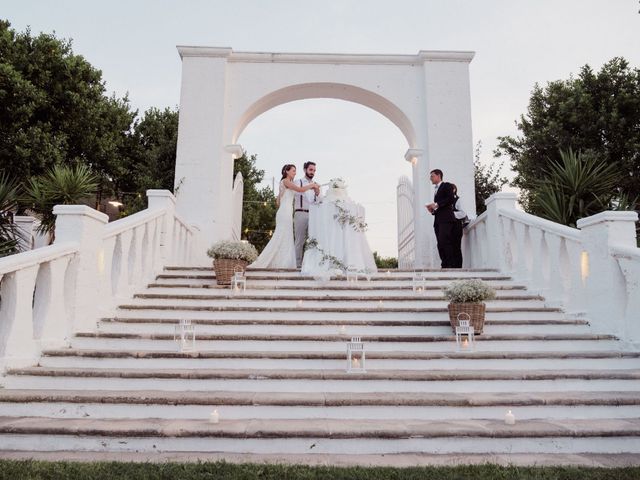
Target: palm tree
{"type": "Point", "coordinates": [578, 186]}
{"type": "Point", "coordinates": [61, 185]}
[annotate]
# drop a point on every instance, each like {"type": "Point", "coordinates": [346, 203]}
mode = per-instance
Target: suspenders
{"type": "Point", "coordinates": [301, 193]}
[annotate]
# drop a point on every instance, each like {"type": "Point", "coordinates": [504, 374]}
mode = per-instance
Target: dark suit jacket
{"type": "Point", "coordinates": [445, 200]}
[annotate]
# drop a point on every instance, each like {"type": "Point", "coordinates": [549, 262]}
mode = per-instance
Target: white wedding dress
{"type": "Point", "coordinates": [280, 252]}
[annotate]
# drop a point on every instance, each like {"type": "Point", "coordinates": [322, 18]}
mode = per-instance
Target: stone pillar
{"type": "Point", "coordinates": [164, 200]}
{"type": "Point", "coordinates": [605, 290]}
{"type": "Point", "coordinates": [496, 243]}
{"type": "Point", "coordinates": [25, 227]}
{"type": "Point", "coordinates": [85, 226]}
{"type": "Point", "coordinates": [204, 168]}
{"type": "Point", "coordinates": [448, 137]}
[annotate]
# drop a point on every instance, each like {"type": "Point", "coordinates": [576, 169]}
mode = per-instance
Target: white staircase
{"type": "Point", "coordinates": [272, 362]}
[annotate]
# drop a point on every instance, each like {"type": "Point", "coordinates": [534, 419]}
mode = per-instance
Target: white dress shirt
{"type": "Point", "coordinates": [304, 199]}
{"type": "Point", "coordinates": [458, 210]}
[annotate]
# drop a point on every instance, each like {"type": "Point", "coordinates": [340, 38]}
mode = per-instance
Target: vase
{"type": "Point", "coordinates": [475, 311]}
{"type": "Point", "coordinates": [226, 267]}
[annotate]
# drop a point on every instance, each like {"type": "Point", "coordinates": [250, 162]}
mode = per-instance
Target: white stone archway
{"type": "Point", "coordinates": [425, 95]}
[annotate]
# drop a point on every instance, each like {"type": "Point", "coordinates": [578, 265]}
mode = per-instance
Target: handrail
{"type": "Point", "coordinates": [542, 223]}
{"type": "Point", "coordinates": [183, 223]}
{"type": "Point", "coordinates": [31, 258]}
{"type": "Point", "coordinates": [132, 221]}
{"type": "Point", "coordinates": [619, 251]}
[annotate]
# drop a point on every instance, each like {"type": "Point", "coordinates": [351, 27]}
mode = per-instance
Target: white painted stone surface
{"type": "Point", "coordinates": [425, 95]}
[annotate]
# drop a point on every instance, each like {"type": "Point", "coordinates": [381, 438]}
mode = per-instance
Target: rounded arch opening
{"type": "Point", "coordinates": [337, 91]}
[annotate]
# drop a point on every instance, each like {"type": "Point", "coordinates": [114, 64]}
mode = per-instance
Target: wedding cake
{"type": "Point", "coordinates": [337, 190]}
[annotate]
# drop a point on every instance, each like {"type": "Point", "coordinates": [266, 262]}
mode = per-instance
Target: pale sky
{"type": "Point", "coordinates": [517, 43]}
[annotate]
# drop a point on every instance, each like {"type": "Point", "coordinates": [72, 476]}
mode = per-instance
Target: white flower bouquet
{"type": "Point", "coordinates": [233, 250]}
{"type": "Point", "coordinates": [469, 291]}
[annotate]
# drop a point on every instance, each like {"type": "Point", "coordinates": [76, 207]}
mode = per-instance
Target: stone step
{"type": "Point", "coordinates": [335, 315]}
{"type": "Point", "coordinates": [70, 358]}
{"type": "Point", "coordinates": [335, 322]}
{"type": "Point", "coordinates": [318, 296]}
{"type": "Point", "coordinates": [336, 337]}
{"type": "Point", "coordinates": [371, 375]}
{"type": "Point", "coordinates": [297, 381]}
{"type": "Point", "coordinates": [448, 276]}
{"type": "Point", "coordinates": [393, 270]}
{"type": "Point", "coordinates": [601, 435]}
{"type": "Point", "coordinates": [360, 287]}
{"type": "Point", "coordinates": [330, 330]}
{"type": "Point", "coordinates": [74, 404]}
{"type": "Point", "coordinates": [106, 343]}
{"type": "Point", "coordinates": [306, 307]}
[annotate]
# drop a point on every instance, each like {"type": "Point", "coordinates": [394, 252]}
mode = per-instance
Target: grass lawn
{"type": "Point", "coordinates": [36, 470]}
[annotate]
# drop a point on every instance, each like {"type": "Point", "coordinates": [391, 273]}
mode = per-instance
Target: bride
{"type": "Point", "coordinates": [280, 252]}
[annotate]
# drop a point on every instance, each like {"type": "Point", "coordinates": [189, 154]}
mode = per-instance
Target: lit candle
{"type": "Point", "coordinates": [509, 418]}
{"type": "Point", "coordinates": [214, 417]}
{"type": "Point", "coordinates": [300, 302]}
{"type": "Point", "coordinates": [342, 329]}
{"type": "Point", "coordinates": [465, 343]}
{"type": "Point", "coordinates": [388, 273]}
{"type": "Point", "coordinates": [380, 304]}
{"type": "Point", "coordinates": [355, 362]}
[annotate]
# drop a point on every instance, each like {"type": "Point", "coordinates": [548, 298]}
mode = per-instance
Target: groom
{"type": "Point", "coordinates": [444, 221]}
{"type": "Point", "coordinates": [301, 210]}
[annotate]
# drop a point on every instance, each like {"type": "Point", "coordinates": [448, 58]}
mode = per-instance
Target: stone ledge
{"type": "Point", "coordinates": [229, 308]}
{"type": "Point", "coordinates": [318, 399]}
{"type": "Point", "coordinates": [315, 428]}
{"type": "Point", "coordinates": [371, 375]}
{"type": "Point", "coordinates": [334, 322]}
{"type": "Point", "coordinates": [340, 355]}
{"type": "Point", "coordinates": [345, 338]}
{"type": "Point", "coordinates": [319, 298]}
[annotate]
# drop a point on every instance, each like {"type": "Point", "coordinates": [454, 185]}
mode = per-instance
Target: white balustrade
{"type": "Point", "coordinates": [48, 294]}
{"type": "Point", "coordinates": [592, 271]}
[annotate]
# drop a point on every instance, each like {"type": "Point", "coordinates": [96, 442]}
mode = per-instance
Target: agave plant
{"type": "Point", "coordinates": [578, 186]}
{"type": "Point", "coordinates": [9, 233]}
{"type": "Point", "coordinates": [61, 185]}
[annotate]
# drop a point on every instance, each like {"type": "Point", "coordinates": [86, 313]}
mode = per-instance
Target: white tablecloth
{"type": "Point", "coordinates": [343, 242]}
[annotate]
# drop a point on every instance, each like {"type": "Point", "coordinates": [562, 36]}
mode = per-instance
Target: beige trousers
{"type": "Point", "coordinates": [300, 232]}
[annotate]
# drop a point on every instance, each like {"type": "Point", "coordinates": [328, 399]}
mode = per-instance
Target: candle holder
{"type": "Point", "coordinates": [419, 282]}
{"type": "Point", "coordinates": [465, 337]}
{"type": "Point", "coordinates": [238, 280]}
{"type": "Point", "coordinates": [352, 275]}
{"type": "Point", "coordinates": [355, 356]}
{"type": "Point", "coordinates": [185, 334]}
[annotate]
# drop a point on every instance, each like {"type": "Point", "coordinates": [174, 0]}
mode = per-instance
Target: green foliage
{"type": "Point", "coordinates": [53, 110]}
{"type": "Point", "coordinates": [385, 262]}
{"type": "Point", "coordinates": [35, 470]}
{"type": "Point", "coordinates": [259, 208]}
{"type": "Point", "coordinates": [9, 234]}
{"type": "Point", "coordinates": [487, 180]}
{"type": "Point", "coordinates": [596, 113]}
{"type": "Point", "coordinates": [61, 185]}
{"type": "Point", "coordinates": [577, 186]}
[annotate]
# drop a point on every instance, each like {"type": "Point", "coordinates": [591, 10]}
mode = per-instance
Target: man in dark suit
{"type": "Point", "coordinates": [444, 222]}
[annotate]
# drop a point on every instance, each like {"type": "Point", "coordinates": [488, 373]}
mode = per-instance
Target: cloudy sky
{"type": "Point", "coordinates": [517, 43]}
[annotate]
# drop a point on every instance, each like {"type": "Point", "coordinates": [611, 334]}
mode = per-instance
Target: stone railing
{"type": "Point", "coordinates": [592, 271]}
{"type": "Point", "coordinates": [49, 293]}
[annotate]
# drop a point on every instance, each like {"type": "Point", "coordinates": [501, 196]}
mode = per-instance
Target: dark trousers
{"type": "Point", "coordinates": [445, 235]}
{"type": "Point", "coordinates": [457, 250]}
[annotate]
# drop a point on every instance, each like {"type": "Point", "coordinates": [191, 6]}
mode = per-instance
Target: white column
{"type": "Point", "coordinates": [449, 141]}
{"type": "Point", "coordinates": [605, 287]}
{"type": "Point", "coordinates": [82, 224]}
{"type": "Point", "coordinates": [25, 227]}
{"type": "Point", "coordinates": [496, 243]}
{"type": "Point", "coordinates": [203, 178]}
{"type": "Point", "coordinates": [164, 200]}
